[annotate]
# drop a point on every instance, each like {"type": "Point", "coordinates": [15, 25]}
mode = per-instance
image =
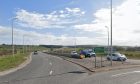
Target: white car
{"type": "Point", "coordinates": [117, 57]}
{"type": "Point", "coordinates": [74, 54]}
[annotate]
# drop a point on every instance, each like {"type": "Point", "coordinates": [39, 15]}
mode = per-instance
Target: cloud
{"type": "Point", "coordinates": [126, 18]}
{"type": "Point", "coordinates": [55, 19]}
{"type": "Point", "coordinates": [32, 37]}
{"type": "Point", "coordinates": [75, 11]}
{"type": "Point", "coordinates": [126, 27]}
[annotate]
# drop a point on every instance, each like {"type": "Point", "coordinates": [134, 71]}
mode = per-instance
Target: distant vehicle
{"type": "Point", "coordinates": [88, 53]}
{"type": "Point", "coordinates": [74, 54]}
{"type": "Point", "coordinates": [35, 52]}
{"type": "Point", "coordinates": [117, 57]}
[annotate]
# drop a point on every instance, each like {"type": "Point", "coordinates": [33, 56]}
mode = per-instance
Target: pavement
{"type": "Point", "coordinates": [46, 69]}
{"type": "Point", "coordinates": [120, 73]}
{"type": "Point", "coordinates": [124, 76]}
{"type": "Point", "coordinates": [89, 64]}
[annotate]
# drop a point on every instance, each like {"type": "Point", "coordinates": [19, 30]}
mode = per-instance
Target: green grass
{"type": "Point", "coordinates": [7, 62]}
{"type": "Point", "coordinates": [132, 54]}
{"type": "Point", "coordinates": [129, 54]}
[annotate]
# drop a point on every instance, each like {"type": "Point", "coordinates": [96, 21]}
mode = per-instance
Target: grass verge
{"type": "Point", "coordinates": [132, 54]}
{"type": "Point", "coordinates": [9, 61]}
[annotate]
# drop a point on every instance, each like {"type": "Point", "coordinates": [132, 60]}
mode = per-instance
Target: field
{"type": "Point", "coordinates": [132, 54]}
{"type": "Point", "coordinates": [9, 61]}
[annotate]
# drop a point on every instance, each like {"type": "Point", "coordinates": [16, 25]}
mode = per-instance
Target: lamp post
{"type": "Point", "coordinates": [12, 23]}
{"type": "Point", "coordinates": [23, 43]}
{"type": "Point", "coordinates": [107, 39]}
{"type": "Point", "coordinates": [111, 30]}
{"type": "Point", "coordinates": [75, 43]}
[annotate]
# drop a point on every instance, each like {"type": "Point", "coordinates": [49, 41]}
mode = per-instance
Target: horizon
{"type": "Point", "coordinates": [66, 45]}
{"type": "Point", "coordinates": [70, 22]}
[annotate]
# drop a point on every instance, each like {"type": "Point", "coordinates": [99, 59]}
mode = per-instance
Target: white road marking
{"type": "Point", "coordinates": [116, 75]}
{"type": "Point", "coordinates": [50, 63]}
{"type": "Point", "coordinates": [137, 82]}
{"type": "Point", "coordinates": [51, 72]}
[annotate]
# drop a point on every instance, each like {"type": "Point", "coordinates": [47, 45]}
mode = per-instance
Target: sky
{"type": "Point", "coordinates": [66, 22]}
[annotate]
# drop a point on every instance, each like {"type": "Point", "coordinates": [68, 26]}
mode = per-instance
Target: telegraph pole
{"type": "Point", "coordinates": [111, 30]}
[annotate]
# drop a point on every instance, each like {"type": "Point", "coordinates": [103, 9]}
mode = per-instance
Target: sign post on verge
{"type": "Point", "coordinates": [99, 50]}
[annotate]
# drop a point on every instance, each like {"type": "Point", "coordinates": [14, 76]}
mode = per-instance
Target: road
{"type": "Point", "coordinates": [48, 69]}
{"type": "Point", "coordinates": [45, 69]}
{"type": "Point", "coordinates": [125, 76]}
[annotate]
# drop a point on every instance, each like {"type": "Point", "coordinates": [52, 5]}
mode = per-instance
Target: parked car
{"type": "Point", "coordinates": [88, 53]}
{"type": "Point", "coordinates": [74, 54]}
{"type": "Point", "coordinates": [117, 57]}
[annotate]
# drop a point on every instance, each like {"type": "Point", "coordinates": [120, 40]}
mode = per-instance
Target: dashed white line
{"type": "Point", "coordinates": [51, 72]}
{"type": "Point", "coordinates": [50, 63]}
{"type": "Point", "coordinates": [116, 75]}
{"type": "Point", "coordinates": [137, 82]}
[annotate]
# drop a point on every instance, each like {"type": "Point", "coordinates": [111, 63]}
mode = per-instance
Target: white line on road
{"type": "Point", "coordinates": [51, 72]}
{"type": "Point", "coordinates": [50, 63]}
{"type": "Point", "coordinates": [137, 82]}
{"type": "Point", "coordinates": [116, 75]}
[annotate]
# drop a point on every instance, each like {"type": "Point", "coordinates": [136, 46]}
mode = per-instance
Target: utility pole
{"type": "Point", "coordinates": [23, 43]}
{"type": "Point", "coordinates": [111, 30]}
{"type": "Point", "coordinates": [13, 47]}
{"type": "Point", "coordinates": [108, 40]}
{"type": "Point", "coordinates": [75, 43]}
{"type": "Point", "coordinates": [12, 37]}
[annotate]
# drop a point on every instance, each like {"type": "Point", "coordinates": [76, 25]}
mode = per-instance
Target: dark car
{"type": "Point", "coordinates": [88, 53]}
{"type": "Point", "coordinates": [35, 52]}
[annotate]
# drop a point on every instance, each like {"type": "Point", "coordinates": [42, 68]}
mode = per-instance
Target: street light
{"type": "Point", "coordinates": [111, 29]}
{"type": "Point", "coordinates": [25, 46]}
{"type": "Point", "coordinates": [75, 43]}
{"type": "Point", "coordinates": [107, 38]}
{"type": "Point", "coordinates": [23, 43]}
{"type": "Point", "coordinates": [12, 23]}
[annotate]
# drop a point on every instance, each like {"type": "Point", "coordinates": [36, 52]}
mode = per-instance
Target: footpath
{"type": "Point", "coordinates": [105, 65]}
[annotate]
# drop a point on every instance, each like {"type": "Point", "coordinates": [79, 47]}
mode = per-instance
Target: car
{"type": "Point", "coordinates": [91, 53]}
{"type": "Point", "coordinates": [35, 52]}
{"type": "Point", "coordinates": [117, 57]}
{"type": "Point", "coordinates": [88, 53]}
{"type": "Point", "coordinates": [74, 54]}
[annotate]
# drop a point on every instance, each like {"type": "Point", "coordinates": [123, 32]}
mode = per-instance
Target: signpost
{"type": "Point", "coordinates": [99, 50]}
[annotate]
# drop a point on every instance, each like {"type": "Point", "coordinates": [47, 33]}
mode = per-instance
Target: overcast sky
{"type": "Point", "coordinates": [61, 22]}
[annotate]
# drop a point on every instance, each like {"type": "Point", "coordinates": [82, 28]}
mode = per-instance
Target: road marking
{"type": "Point", "coordinates": [137, 82]}
{"type": "Point", "coordinates": [51, 72]}
{"type": "Point", "coordinates": [50, 63]}
{"type": "Point", "coordinates": [116, 75]}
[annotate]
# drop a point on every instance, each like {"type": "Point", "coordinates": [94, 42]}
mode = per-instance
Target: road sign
{"type": "Point", "coordinates": [99, 49]}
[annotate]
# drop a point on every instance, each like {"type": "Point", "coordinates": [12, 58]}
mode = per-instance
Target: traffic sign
{"type": "Point", "coordinates": [99, 49]}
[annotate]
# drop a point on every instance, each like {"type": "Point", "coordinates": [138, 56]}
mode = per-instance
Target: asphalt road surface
{"type": "Point", "coordinates": [48, 69]}
{"type": "Point", "coordinates": [124, 76]}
